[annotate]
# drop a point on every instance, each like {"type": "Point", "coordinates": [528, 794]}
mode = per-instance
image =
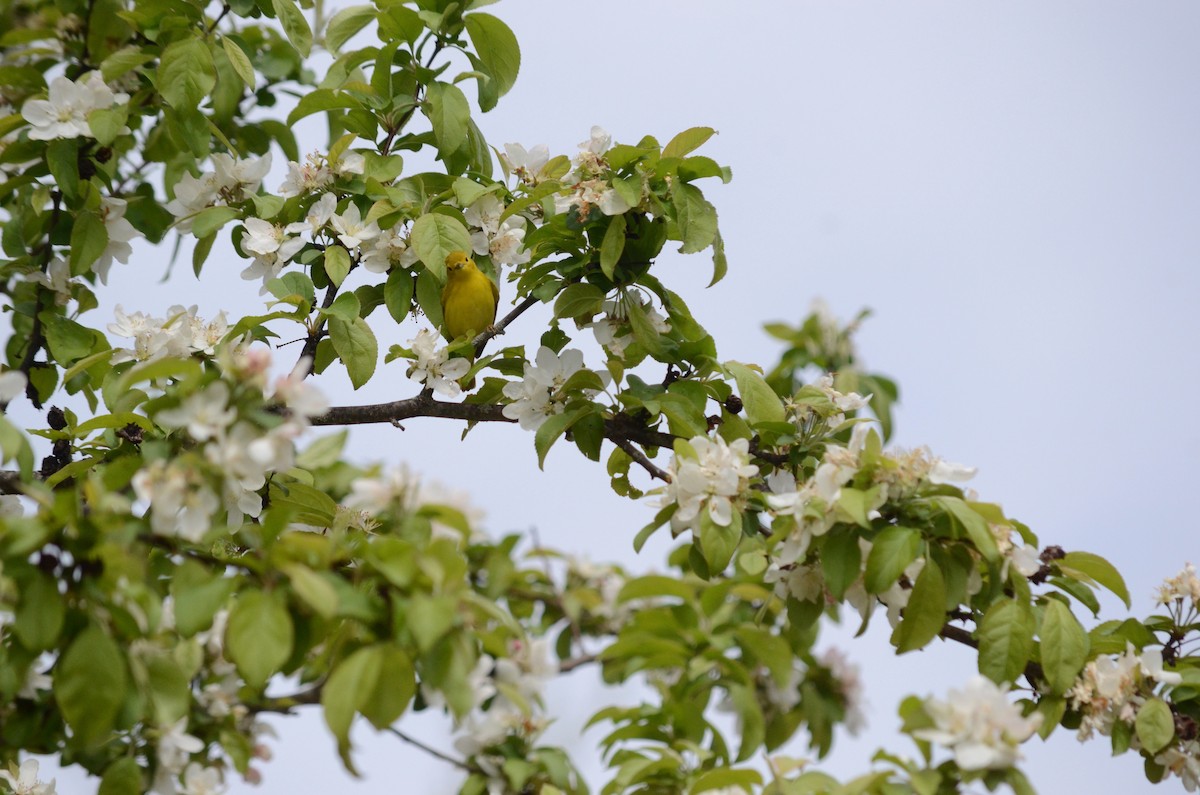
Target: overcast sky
{"type": "Point", "coordinates": [1012, 188]}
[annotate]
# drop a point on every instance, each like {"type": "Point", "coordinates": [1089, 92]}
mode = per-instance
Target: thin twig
{"type": "Point", "coordinates": [566, 666]}
{"type": "Point", "coordinates": [498, 328]}
{"type": "Point", "coordinates": [318, 330]}
{"type": "Point", "coordinates": [225, 9]}
{"type": "Point", "coordinates": [460, 764]}
{"type": "Point", "coordinates": [640, 458]}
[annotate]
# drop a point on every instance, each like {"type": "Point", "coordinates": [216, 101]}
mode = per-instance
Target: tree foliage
{"type": "Point", "coordinates": [187, 542]}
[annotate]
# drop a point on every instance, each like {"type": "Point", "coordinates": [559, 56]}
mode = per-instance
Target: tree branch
{"type": "Point", "coordinates": [423, 405]}
{"type": "Point", "coordinates": [318, 330]}
{"type": "Point", "coordinates": [460, 764]}
{"type": "Point", "coordinates": [498, 328]}
{"type": "Point", "coordinates": [640, 458]}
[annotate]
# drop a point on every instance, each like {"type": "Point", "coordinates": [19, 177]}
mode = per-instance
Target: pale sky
{"type": "Point", "coordinates": [1012, 188]}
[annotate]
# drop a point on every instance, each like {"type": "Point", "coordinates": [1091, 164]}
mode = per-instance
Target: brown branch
{"type": "Point", "coordinates": [640, 458]}
{"type": "Point", "coordinates": [423, 405]}
{"type": "Point", "coordinates": [460, 764]}
{"type": "Point", "coordinates": [498, 328]}
{"type": "Point", "coordinates": [566, 666]}
{"type": "Point", "coordinates": [318, 330]}
{"type": "Point", "coordinates": [1033, 672]}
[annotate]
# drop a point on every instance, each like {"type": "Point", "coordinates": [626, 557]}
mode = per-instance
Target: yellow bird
{"type": "Point", "coordinates": [469, 298]}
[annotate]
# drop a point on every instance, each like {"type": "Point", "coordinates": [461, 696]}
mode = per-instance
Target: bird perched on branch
{"type": "Point", "coordinates": [469, 298]}
{"type": "Point", "coordinates": [469, 302]}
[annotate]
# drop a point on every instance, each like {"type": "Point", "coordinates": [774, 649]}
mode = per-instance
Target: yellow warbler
{"type": "Point", "coordinates": [469, 298]}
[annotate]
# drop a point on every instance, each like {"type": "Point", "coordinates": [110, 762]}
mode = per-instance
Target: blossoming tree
{"type": "Point", "coordinates": [188, 556]}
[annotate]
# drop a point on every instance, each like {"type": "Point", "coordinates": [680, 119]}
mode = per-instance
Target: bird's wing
{"type": "Point", "coordinates": [495, 293]}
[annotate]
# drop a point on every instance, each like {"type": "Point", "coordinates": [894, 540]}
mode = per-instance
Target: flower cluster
{"type": "Point", "coordinates": [708, 475]}
{"type": "Point", "coordinates": [232, 180]}
{"type": "Point", "coordinates": [1112, 689]}
{"type": "Point", "coordinates": [318, 172]}
{"type": "Point", "coordinates": [503, 241]}
{"type": "Point", "coordinates": [519, 677]}
{"type": "Point", "coordinates": [587, 184]}
{"type": "Point", "coordinates": [181, 333]}
{"type": "Point", "coordinates": [433, 366]}
{"type": "Point", "coordinates": [242, 453]}
{"type": "Point", "coordinates": [613, 330]}
{"type": "Point", "coordinates": [64, 112]}
{"type": "Point", "coordinates": [539, 394]}
{"type": "Point", "coordinates": [400, 491]}
{"type": "Point", "coordinates": [980, 725]}
{"type": "Point", "coordinates": [525, 164]}
{"type": "Point", "coordinates": [1181, 589]}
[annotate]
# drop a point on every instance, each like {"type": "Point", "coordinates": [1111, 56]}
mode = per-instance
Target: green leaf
{"type": "Point", "coordinates": [294, 25]}
{"type": "Point", "coordinates": [186, 74]}
{"type": "Point", "coordinates": [1097, 569]}
{"type": "Point", "coordinates": [68, 341]}
{"type": "Point", "coordinates": [40, 613]}
{"type": "Point", "coordinates": [62, 156]}
{"type": "Point", "coordinates": [239, 61]}
{"type": "Point", "coordinates": [395, 688]}
{"type": "Point", "coordinates": [841, 559]}
{"type": "Point", "coordinates": [697, 219]}
{"type": "Point", "coordinates": [890, 554]}
{"type": "Point", "coordinates": [398, 294]}
{"type": "Point", "coordinates": [346, 691]}
{"type": "Point", "coordinates": [448, 111]}
{"type": "Point", "coordinates": [337, 264]}
{"type": "Point", "coordinates": [319, 101]}
{"type": "Point", "coordinates": [356, 346]}
{"type": "Point", "coordinates": [549, 431]}
{"type": "Point", "coordinates": [579, 300]}
{"type": "Point", "coordinates": [1064, 646]}
{"type": "Point", "coordinates": [345, 23]}
{"type": "Point", "coordinates": [687, 141]}
{"type": "Point", "coordinates": [1005, 640]}
{"type": "Point", "coordinates": [726, 778]}
{"type": "Point", "coordinates": [719, 542]}
{"type": "Point", "coordinates": [313, 590]}
{"type": "Point", "coordinates": [612, 245]}
{"type": "Point", "coordinates": [209, 220]}
{"type": "Point", "coordinates": [720, 264]}
{"type": "Point", "coordinates": [259, 636]}
{"type": "Point", "coordinates": [435, 236]}
{"type": "Point", "coordinates": [89, 686]}
{"type": "Point", "coordinates": [975, 525]}
{"type": "Point", "coordinates": [89, 238]}
{"type": "Point", "coordinates": [199, 594]}
{"type": "Point", "coordinates": [1155, 725]}
{"type": "Point", "coordinates": [122, 777]}
{"type": "Point", "coordinates": [644, 332]}
{"type": "Point", "coordinates": [498, 52]}
{"type": "Point", "coordinates": [761, 402]}
{"type": "Point", "coordinates": [925, 614]}
{"type": "Point", "coordinates": [107, 124]}
{"type": "Point", "coordinates": [123, 61]}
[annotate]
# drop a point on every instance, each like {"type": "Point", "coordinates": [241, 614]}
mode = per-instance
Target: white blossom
{"type": "Point", "coordinates": [537, 395]}
{"type": "Point", "coordinates": [120, 232]}
{"type": "Point", "coordinates": [528, 667]}
{"type": "Point", "coordinates": [433, 366]}
{"type": "Point", "coordinates": [26, 781]}
{"type": "Point", "coordinates": [712, 476]}
{"type": "Point", "coordinates": [319, 214]}
{"type": "Point", "coordinates": [175, 748]}
{"type": "Point", "coordinates": [57, 278]}
{"type": "Point", "coordinates": [850, 685]}
{"type": "Point", "coordinates": [1182, 759]}
{"type": "Point", "coordinates": [1183, 587]}
{"type": "Point", "coordinates": [205, 414]}
{"type": "Point", "coordinates": [388, 249]}
{"type": "Point", "coordinates": [12, 383]}
{"type": "Point", "coordinates": [64, 112]}
{"type": "Point", "coordinates": [398, 489]}
{"type": "Point", "coordinates": [980, 725]}
{"type": "Point", "coordinates": [946, 472]}
{"type": "Point", "coordinates": [180, 504]}
{"type": "Point", "coordinates": [613, 330]}
{"type": "Point", "coordinates": [313, 175]}
{"type": "Point", "coordinates": [200, 780]}
{"type": "Point", "coordinates": [351, 229]}
{"type": "Point", "coordinates": [483, 214]}
{"type": "Point", "coordinates": [232, 180]}
{"type": "Point", "coordinates": [525, 164]}
{"type": "Point", "coordinates": [591, 193]}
